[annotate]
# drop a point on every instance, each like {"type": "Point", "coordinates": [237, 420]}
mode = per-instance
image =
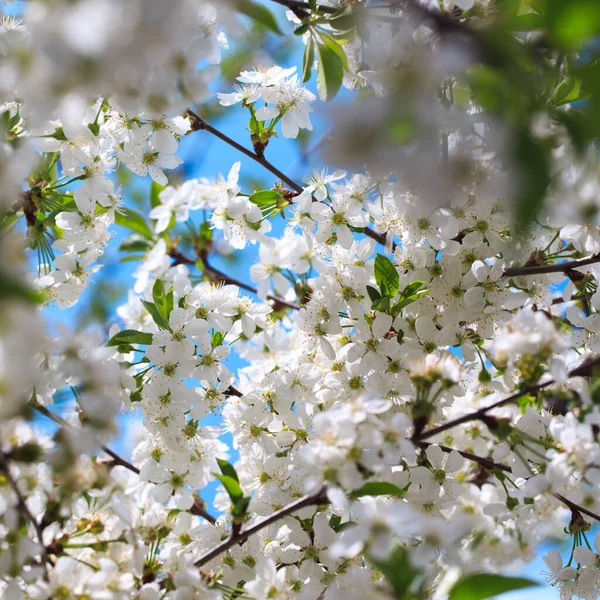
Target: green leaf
{"type": "Point", "coordinates": [254, 126]}
{"type": "Point", "coordinates": [532, 166]}
{"type": "Point", "coordinates": [569, 90]}
{"type": "Point", "coordinates": [411, 288]}
{"type": "Point", "coordinates": [130, 336]}
{"type": "Point", "coordinates": [125, 217]}
{"type": "Point", "coordinates": [302, 29]}
{"type": "Point", "coordinates": [240, 506]}
{"type": "Point", "coordinates": [132, 258]}
{"type": "Point", "coordinates": [484, 585]}
{"type": "Point", "coordinates": [232, 487]}
{"type": "Point", "coordinates": [12, 288]}
{"type": "Point", "coordinates": [265, 199]}
{"type": "Point", "coordinates": [170, 301]}
{"type": "Point", "coordinates": [160, 300]}
{"type": "Point", "coordinates": [308, 60]}
{"type": "Point", "coordinates": [398, 571]}
{"type": "Point", "coordinates": [227, 469]}
{"type": "Point", "coordinates": [206, 233]}
{"type": "Point", "coordinates": [330, 72]}
{"type": "Point", "coordinates": [156, 315]}
{"type": "Point", "coordinates": [336, 48]}
{"type": "Point", "coordinates": [528, 22]}
{"type": "Point", "coordinates": [259, 13]}
{"type": "Point", "coordinates": [155, 190]}
{"type": "Point", "coordinates": [386, 276]}
{"type": "Point", "coordinates": [378, 488]}
{"type": "Point", "coordinates": [382, 305]}
{"type": "Point", "coordinates": [217, 339]}
{"type": "Point", "coordinates": [572, 22]}
{"type": "Point", "coordinates": [405, 301]}
{"type": "Point", "coordinates": [135, 243]}
{"type": "Point", "coordinates": [373, 293]}
{"type": "Point", "coordinates": [163, 301]}
{"type": "Point", "coordinates": [344, 21]}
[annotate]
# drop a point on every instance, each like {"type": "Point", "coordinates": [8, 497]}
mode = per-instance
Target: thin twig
{"type": "Point", "coordinates": [196, 509]}
{"type": "Point", "coordinates": [181, 259]}
{"type": "Point", "coordinates": [300, 8]}
{"type": "Point", "coordinates": [239, 537]}
{"type": "Point", "coordinates": [563, 267]}
{"type": "Point", "coordinates": [582, 370]}
{"type": "Point", "coordinates": [22, 506]}
{"type": "Point", "coordinates": [198, 123]}
{"type": "Point", "coordinates": [488, 463]}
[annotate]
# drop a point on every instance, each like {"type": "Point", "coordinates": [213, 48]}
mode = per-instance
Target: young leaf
{"type": "Point", "coordinates": [336, 48]}
{"type": "Point", "coordinates": [330, 72]}
{"type": "Point", "coordinates": [378, 488]}
{"type": "Point", "coordinates": [155, 190]}
{"type": "Point", "coordinates": [398, 571]}
{"type": "Point", "coordinates": [217, 339]}
{"type": "Point", "coordinates": [386, 276]}
{"type": "Point", "coordinates": [308, 60]}
{"type": "Point", "coordinates": [301, 29]}
{"type": "Point", "coordinates": [405, 301]}
{"type": "Point", "coordinates": [373, 293]}
{"type": "Point", "coordinates": [486, 585]}
{"type": "Point", "coordinates": [382, 305]}
{"type": "Point", "coordinates": [240, 506]}
{"type": "Point", "coordinates": [232, 487]}
{"type": "Point", "coordinates": [12, 288]}
{"type": "Point", "coordinates": [160, 300]}
{"type": "Point", "coordinates": [170, 301]}
{"type": "Point", "coordinates": [130, 336]}
{"type": "Point", "coordinates": [227, 469]}
{"type": "Point", "coordinates": [265, 199]}
{"type": "Point", "coordinates": [135, 243]}
{"type": "Point", "coordinates": [412, 288]}
{"type": "Point", "coordinates": [156, 315]}
{"type": "Point", "coordinates": [259, 13]}
{"type": "Point", "coordinates": [125, 217]}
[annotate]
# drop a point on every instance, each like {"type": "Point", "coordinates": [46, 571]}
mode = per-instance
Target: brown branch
{"type": "Point", "coordinates": [300, 8]}
{"type": "Point", "coordinates": [563, 267]}
{"type": "Point", "coordinates": [277, 300]}
{"type": "Point", "coordinates": [181, 259]}
{"type": "Point", "coordinates": [24, 509]}
{"type": "Point", "coordinates": [198, 123]}
{"type": "Point", "coordinates": [583, 370]}
{"type": "Point", "coordinates": [574, 298]}
{"type": "Point", "coordinates": [488, 463]}
{"type": "Point", "coordinates": [196, 509]}
{"type": "Point", "coordinates": [241, 536]}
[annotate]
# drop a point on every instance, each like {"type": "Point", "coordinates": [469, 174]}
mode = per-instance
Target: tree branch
{"type": "Point", "coordinates": [300, 8]}
{"type": "Point", "coordinates": [488, 463]}
{"type": "Point", "coordinates": [198, 123]}
{"type": "Point", "coordinates": [563, 267]}
{"type": "Point", "coordinates": [198, 506]}
{"type": "Point", "coordinates": [24, 509]}
{"type": "Point", "coordinates": [241, 536]}
{"type": "Point", "coordinates": [583, 370]}
{"type": "Point", "coordinates": [181, 259]}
